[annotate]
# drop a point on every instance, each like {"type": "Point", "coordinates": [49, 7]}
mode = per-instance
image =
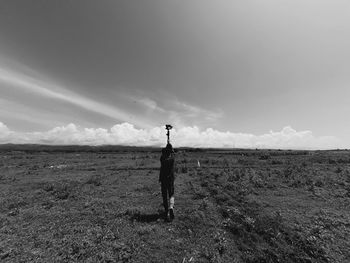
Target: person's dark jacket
{"type": "Point", "coordinates": [167, 167]}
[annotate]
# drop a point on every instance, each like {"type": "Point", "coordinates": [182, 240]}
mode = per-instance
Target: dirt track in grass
{"type": "Point", "coordinates": [69, 204]}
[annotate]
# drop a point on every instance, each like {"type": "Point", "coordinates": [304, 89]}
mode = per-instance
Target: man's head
{"type": "Point", "coordinates": [168, 149]}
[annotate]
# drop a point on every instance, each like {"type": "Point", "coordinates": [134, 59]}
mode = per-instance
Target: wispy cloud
{"type": "Point", "coordinates": [50, 90]}
{"type": "Point", "coordinates": [20, 113]}
{"type": "Point", "coordinates": [147, 112]}
{"type": "Point", "coordinates": [183, 113]}
{"type": "Point", "coordinates": [194, 111]}
{"type": "Point", "coordinates": [127, 134]}
{"type": "Point", "coordinates": [148, 103]}
{"type": "Point", "coordinates": [171, 109]}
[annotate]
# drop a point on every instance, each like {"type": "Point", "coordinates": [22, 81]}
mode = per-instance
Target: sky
{"type": "Point", "coordinates": [224, 73]}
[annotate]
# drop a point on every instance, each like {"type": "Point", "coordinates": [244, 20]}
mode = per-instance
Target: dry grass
{"type": "Point", "coordinates": [86, 204]}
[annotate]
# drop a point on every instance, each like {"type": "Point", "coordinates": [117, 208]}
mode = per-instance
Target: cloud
{"type": "Point", "coordinates": [195, 112]}
{"type": "Point", "coordinates": [4, 130]}
{"type": "Point", "coordinates": [127, 134]}
{"type": "Point", "coordinates": [150, 104]}
{"type": "Point", "coordinates": [181, 114]}
{"type": "Point", "coordinates": [50, 90]}
{"type": "Point", "coordinates": [142, 111]}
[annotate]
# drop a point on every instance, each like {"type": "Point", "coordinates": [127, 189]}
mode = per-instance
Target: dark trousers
{"type": "Point", "coordinates": [167, 192]}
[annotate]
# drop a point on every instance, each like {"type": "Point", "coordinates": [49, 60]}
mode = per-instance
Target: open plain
{"type": "Point", "coordinates": [103, 204]}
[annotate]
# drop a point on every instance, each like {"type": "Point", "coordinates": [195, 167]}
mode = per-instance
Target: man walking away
{"type": "Point", "coordinates": [166, 178]}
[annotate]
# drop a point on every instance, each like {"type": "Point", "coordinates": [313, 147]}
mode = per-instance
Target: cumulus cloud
{"type": "Point", "coordinates": [4, 130]}
{"type": "Point", "coordinates": [127, 134]}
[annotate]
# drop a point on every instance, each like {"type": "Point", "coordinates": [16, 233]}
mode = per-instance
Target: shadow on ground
{"type": "Point", "coordinates": [145, 218]}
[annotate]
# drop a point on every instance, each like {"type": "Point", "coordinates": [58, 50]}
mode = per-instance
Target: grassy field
{"type": "Point", "coordinates": [103, 204]}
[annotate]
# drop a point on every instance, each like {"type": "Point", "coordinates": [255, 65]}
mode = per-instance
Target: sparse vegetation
{"type": "Point", "coordinates": [103, 204]}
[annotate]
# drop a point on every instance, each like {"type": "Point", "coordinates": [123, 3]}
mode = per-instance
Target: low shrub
{"type": "Point", "coordinates": [276, 162]}
{"type": "Point", "coordinates": [94, 179]}
{"type": "Point", "coordinates": [264, 156]}
{"type": "Point", "coordinates": [269, 239]}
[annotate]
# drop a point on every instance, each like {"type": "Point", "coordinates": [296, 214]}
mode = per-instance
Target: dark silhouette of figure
{"type": "Point", "coordinates": [167, 178]}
